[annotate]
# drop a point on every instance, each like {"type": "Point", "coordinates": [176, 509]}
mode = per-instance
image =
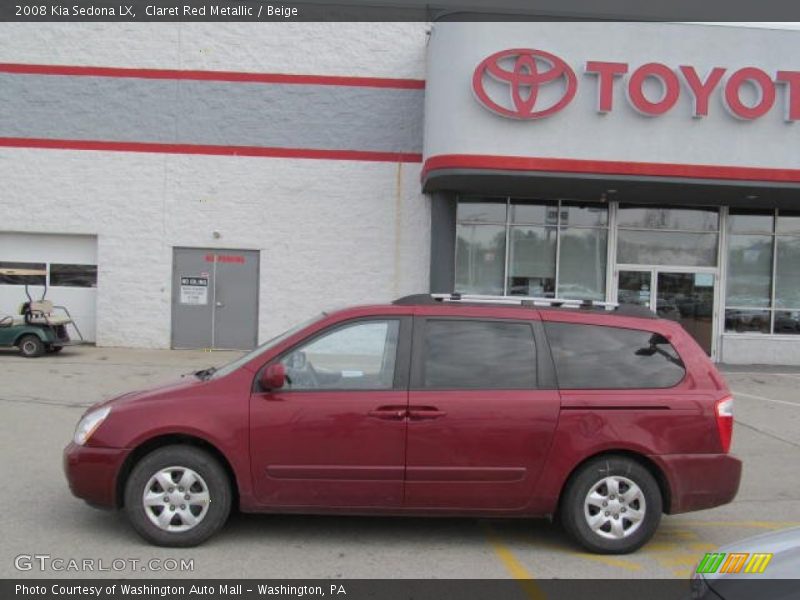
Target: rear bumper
{"type": "Point", "coordinates": [699, 481]}
{"type": "Point", "coordinates": [92, 473]}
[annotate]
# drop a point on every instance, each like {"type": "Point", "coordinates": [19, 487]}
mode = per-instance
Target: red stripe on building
{"type": "Point", "coordinates": [230, 76]}
{"type": "Point", "coordinates": [607, 167]}
{"type": "Point", "coordinates": [213, 150]}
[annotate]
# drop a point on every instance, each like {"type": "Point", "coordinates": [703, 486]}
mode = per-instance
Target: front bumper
{"type": "Point", "coordinates": [698, 481]}
{"type": "Point", "coordinates": [92, 473]}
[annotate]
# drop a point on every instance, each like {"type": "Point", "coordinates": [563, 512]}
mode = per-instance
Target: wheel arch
{"type": "Point", "coordinates": [35, 332]}
{"type": "Point", "coordinates": [644, 461]}
{"type": "Point", "coordinates": [171, 439]}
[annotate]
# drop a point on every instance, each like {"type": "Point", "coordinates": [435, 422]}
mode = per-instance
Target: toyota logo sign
{"type": "Point", "coordinates": [523, 72]}
{"type": "Point", "coordinates": [529, 84]}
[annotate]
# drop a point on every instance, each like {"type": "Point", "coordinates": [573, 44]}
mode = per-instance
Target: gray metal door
{"type": "Point", "coordinates": [215, 298]}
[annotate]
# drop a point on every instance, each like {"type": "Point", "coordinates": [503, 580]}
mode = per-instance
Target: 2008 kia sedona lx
{"type": "Point", "coordinates": [428, 406]}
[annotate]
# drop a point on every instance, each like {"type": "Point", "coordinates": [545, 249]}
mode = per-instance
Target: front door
{"type": "Point", "coordinates": [686, 296]}
{"type": "Point", "coordinates": [481, 417]}
{"type": "Point", "coordinates": [335, 435]}
{"type": "Point", "coordinates": [215, 298]}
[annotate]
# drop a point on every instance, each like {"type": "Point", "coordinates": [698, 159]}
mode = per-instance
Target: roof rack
{"type": "Point", "coordinates": [524, 301]}
{"type": "Point", "coordinates": [630, 310]}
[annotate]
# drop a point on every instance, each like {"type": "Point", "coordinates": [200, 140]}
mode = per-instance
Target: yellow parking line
{"type": "Point", "coordinates": [512, 565]}
{"type": "Point", "coordinates": [682, 573]}
{"type": "Point", "coordinates": [678, 560]}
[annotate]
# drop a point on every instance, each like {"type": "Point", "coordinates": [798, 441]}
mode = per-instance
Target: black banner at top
{"type": "Point", "coordinates": [395, 10]}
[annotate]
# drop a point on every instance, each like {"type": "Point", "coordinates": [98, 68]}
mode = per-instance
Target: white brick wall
{"type": "Point", "coordinates": [330, 232]}
{"type": "Point", "coordinates": [347, 49]}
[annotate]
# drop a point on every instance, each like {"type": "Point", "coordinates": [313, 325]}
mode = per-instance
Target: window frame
{"type": "Point", "coordinates": [545, 378]}
{"type": "Point", "coordinates": [21, 265]}
{"type": "Point", "coordinates": [615, 389]}
{"type": "Point", "coordinates": [560, 204]}
{"type": "Point", "coordinates": [401, 364]}
{"type": "Point", "coordinates": [771, 309]}
{"type": "Point", "coordinates": [61, 285]}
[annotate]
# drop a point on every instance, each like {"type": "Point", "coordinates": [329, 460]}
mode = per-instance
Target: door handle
{"type": "Point", "coordinates": [426, 412]}
{"type": "Point", "coordinates": [389, 413]}
{"type": "Point", "coordinates": [219, 304]}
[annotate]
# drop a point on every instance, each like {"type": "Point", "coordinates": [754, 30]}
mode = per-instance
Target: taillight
{"type": "Point", "coordinates": [724, 411]}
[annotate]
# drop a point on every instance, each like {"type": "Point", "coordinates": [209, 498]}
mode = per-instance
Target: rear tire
{"type": "Point", "coordinates": [611, 505]}
{"type": "Point", "coordinates": [30, 346]}
{"type": "Point", "coordinates": [177, 496]}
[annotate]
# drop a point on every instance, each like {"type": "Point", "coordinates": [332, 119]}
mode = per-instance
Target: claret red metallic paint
{"type": "Point", "coordinates": [423, 451]}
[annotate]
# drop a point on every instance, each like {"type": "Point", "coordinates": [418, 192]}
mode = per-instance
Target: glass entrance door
{"type": "Point", "coordinates": [688, 298]}
{"type": "Point", "coordinates": [683, 296]}
{"type": "Point", "coordinates": [635, 287]}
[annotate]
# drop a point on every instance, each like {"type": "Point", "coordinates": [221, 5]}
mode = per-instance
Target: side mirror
{"type": "Point", "coordinates": [273, 377]}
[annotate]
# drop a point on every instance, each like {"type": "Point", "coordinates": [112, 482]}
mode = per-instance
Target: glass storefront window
{"type": "Point", "coordinates": [749, 270]}
{"type": "Point", "coordinates": [763, 271]}
{"type": "Point", "coordinates": [532, 261]}
{"type": "Point", "coordinates": [480, 258]}
{"type": "Point", "coordinates": [788, 222]}
{"type": "Point", "coordinates": [540, 213]}
{"type": "Point", "coordinates": [684, 219]}
{"type": "Point", "coordinates": [589, 215]}
{"type": "Point", "coordinates": [787, 321]}
{"type": "Point", "coordinates": [481, 211]}
{"type": "Point", "coordinates": [582, 272]}
{"type": "Point", "coordinates": [787, 272]}
{"type": "Point", "coordinates": [750, 221]}
{"type": "Point", "coordinates": [537, 233]}
{"type": "Point", "coordinates": [670, 248]}
{"type": "Point", "coordinates": [743, 320]}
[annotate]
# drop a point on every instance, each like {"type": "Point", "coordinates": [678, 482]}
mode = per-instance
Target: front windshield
{"type": "Point", "coordinates": [242, 360]}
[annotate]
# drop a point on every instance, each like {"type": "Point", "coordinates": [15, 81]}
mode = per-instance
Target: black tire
{"type": "Point", "coordinates": [573, 513]}
{"type": "Point", "coordinates": [30, 346]}
{"type": "Point", "coordinates": [55, 349]}
{"type": "Point", "coordinates": [179, 456]}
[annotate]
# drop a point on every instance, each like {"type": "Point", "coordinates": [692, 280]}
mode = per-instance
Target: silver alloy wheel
{"type": "Point", "coordinates": [176, 499]}
{"type": "Point", "coordinates": [615, 507]}
{"type": "Point", "coordinates": [29, 347]}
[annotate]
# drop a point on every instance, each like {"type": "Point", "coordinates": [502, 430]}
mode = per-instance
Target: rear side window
{"type": "Point", "coordinates": [598, 357]}
{"type": "Point", "coordinates": [478, 355]}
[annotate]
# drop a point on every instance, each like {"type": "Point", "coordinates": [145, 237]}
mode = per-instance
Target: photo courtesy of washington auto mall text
{"type": "Point", "coordinates": [399, 300]}
{"type": "Point", "coordinates": [173, 590]}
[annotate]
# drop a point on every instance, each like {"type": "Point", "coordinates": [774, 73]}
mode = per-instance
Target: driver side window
{"type": "Point", "coordinates": [360, 355]}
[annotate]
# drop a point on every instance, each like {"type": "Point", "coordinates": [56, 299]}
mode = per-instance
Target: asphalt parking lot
{"type": "Point", "coordinates": [41, 400]}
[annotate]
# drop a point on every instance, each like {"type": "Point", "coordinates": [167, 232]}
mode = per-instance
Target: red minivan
{"type": "Point", "coordinates": [603, 416]}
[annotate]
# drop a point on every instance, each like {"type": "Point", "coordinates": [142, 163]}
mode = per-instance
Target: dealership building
{"type": "Point", "coordinates": [195, 185]}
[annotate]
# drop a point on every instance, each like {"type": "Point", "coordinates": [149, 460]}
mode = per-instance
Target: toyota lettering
{"type": "Point", "coordinates": [516, 78]}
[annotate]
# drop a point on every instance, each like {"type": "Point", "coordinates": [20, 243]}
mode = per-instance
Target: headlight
{"type": "Point", "coordinates": [88, 424]}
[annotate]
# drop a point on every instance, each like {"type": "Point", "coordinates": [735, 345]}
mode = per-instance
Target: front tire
{"type": "Point", "coordinates": [30, 346]}
{"type": "Point", "coordinates": [177, 496]}
{"type": "Point", "coordinates": [612, 505]}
